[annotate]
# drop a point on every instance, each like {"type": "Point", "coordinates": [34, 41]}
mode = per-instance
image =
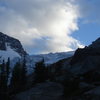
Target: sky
{"type": "Point", "coordinates": [45, 26]}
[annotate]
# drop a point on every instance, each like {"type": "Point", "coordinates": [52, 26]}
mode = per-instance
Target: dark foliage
{"type": "Point", "coordinates": [23, 74]}
{"type": "Point", "coordinates": [8, 67]}
{"type": "Point", "coordinates": [40, 72]}
{"type": "Point", "coordinates": [4, 95]}
{"type": "Point", "coordinates": [15, 80]}
{"type": "Point", "coordinates": [19, 78]}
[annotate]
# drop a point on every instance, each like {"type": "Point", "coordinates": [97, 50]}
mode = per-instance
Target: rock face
{"type": "Point", "coordinates": [91, 50]}
{"type": "Point", "coordinates": [12, 42]}
{"type": "Point", "coordinates": [81, 73]}
{"type": "Point", "coordinates": [85, 64]}
{"type": "Point", "coordinates": [95, 44]}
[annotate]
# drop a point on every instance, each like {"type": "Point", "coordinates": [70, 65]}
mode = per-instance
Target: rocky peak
{"type": "Point", "coordinates": [91, 50]}
{"type": "Point", "coordinates": [96, 43]}
{"type": "Point", "coordinates": [13, 43]}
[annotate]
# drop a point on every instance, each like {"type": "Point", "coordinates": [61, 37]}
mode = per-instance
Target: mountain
{"type": "Point", "coordinates": [71, 75]}
{"type": "Point", "coordinates": [80, 73]}
{"type": "Point", "coordinates": [83, 60]}
{"type": "Point", "coordinates": [14, 44]}
{"type": "Point", "coordinates": [87, 58]}
{"type": "Point", "coordinates": [10, 47]}
{"type": "Point", "coordinates": [49, 59]}
{"type": "Point", "coordinates": [95, 44]}
{"type": "Point", "coordinates": [78, 76]}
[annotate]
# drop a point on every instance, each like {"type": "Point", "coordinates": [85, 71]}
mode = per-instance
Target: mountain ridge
{"type": "Point", "coordinates": [13, 43]}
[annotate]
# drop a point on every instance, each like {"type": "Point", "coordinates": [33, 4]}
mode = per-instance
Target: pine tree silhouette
{"type": "Point", "coordinates": [40, 72]}
{"type": "Point", "coordinates": [15, 80]}
{"type": "Point", "coordinates": [3, 82]}
{"type": "Point", "coordinates": [23, 73]}
{"type": "Point", "coordinates": [8, 67]}
{"type": "Point", "coordinates": [19, 78]}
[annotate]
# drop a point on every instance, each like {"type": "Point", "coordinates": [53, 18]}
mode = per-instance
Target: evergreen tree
{"type": "Point", "coordinates": [3, 76]}
{"type": "Point", "coordinates": [23, 73]}
{"type": "Point", "coordinates": [3, 82]}
{"type": "Point", "coordinates": [40, 72]}
{"type": "Point", "coordinates": [3, 67]}
{"type": "Point", "coordinates": [16, 78]}
{"type": "Point", "coordinates": [19, 78]}
{"type": "Point", "coordinates": [8, 67]}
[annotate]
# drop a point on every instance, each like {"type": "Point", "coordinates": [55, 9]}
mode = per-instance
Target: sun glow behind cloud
{"type": "Point", "coordinates": [41, 25]}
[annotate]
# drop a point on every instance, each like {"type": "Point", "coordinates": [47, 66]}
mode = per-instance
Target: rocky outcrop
{"type": "Point", "coordinates": [81, 73]}
{"type": "Point", "coordinates": [14, 44]}
{"type": "Point", "coordinates": [95, 44]}
{"type": "Point", "coordinates": [82, 54]}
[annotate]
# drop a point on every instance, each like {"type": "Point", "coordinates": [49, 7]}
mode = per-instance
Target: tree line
{"type": "Point", "coordinates": [15, 81]}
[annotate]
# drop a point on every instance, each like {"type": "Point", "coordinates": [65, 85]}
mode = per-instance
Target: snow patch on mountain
{"type": "Point", "coordinates": [48, 59]}
{"type": "Point", "coordinates": [4, 54]}
{"type": "Point", "coordinates": [53, 57]}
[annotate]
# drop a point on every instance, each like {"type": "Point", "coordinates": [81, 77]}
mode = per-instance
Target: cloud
{"type": "Point", "coordinates": [41, 25]}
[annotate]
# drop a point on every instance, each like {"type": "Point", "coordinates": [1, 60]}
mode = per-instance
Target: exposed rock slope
{"type": "Point", "coordinates": [13, 43]}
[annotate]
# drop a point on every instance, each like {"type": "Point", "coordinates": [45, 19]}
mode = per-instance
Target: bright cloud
{"type": "Point", "coordinates": [41, 25]}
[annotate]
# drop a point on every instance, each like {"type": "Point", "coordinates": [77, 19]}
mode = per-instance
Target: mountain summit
{"type": "Point", "coordinates": [14, 44]}
{"type": "Point", "coordinates": [96, 43]}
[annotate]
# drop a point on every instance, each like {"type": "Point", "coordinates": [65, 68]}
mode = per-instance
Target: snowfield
{"type": "Point", "coordinates": [48, 59]}
{"type": "Point", "coordinates": [31, 60]}
{"type": "Point", "coordinates": [8, 53]}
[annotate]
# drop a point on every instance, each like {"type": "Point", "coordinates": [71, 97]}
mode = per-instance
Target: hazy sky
{"type": "Point", "coordinates": [51, 25]}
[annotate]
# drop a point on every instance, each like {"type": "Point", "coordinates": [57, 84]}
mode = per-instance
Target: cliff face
{"type": "Point", "coordinates": [91, 50]}
{"type": "Point", "coordinates": [13, 43]}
